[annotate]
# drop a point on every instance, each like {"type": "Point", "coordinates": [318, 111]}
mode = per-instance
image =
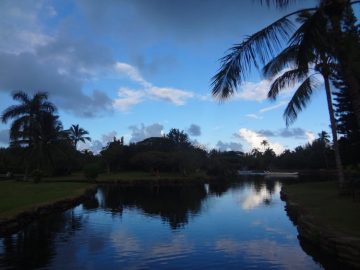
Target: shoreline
{"type": "Point", "coordinates": [14, 224]}
{"type": "Point", "coordinates": [340, 246]}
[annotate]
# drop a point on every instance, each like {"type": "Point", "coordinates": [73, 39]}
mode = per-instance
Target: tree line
{"type": "Point", "coordinates": [39, 144]}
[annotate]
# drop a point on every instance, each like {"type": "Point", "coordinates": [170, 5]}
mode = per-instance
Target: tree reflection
{"type": "Point", "coordinates": [34, 246]}
{"type": "Point", "coordinates": [174, 204]}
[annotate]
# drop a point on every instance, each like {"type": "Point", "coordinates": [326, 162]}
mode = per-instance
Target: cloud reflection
{"type": "Point", "coordinates": [256, 197]}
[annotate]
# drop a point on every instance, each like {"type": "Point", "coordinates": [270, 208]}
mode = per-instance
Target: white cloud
{"type": "Point", "coordinates": [254, 91]}
{"type": "Point", "coordinates": [131, 72]}
{"type": "Point", "coordinates": [254, 139]}
{"type": "Point", "coordinates": [310, 136]}
{"type": "Point", "coordinates": [254, 116]}
{"type": "Point", "coordinates": [129, 97]}
{"type": "Point", "coordinates": [173, 95]}
{"type": "Point", "coordinates": [273, 107]}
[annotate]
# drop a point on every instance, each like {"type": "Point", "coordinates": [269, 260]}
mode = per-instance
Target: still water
{"type": "Point", "coordinates": [239, 225]}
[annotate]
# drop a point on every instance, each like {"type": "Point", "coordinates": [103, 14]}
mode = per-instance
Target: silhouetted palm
{"type": "Point", "coordinates": [27, 117]}
{"type": "Point", "coordinates": [78, 134]}
{"type": "Point", "coordinates": [261, 47]}
{"type": "Point", "coordinates": [313, 60]}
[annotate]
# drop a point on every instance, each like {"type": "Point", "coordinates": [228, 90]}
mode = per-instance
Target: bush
{"type": "Point", "coordinates": [91, 171]}
{"type": "Point", "coordinates": [37, 175]}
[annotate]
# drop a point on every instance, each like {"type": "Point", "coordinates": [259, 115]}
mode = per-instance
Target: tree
{"type": "Point", "coordinates": [313, 60]}
{"type": "Point", "coordinates": [260, 47]}
{"type": "Point", "coordinates": [178, 138]}
{"type": "Point", "coordinates": [35, 130]}
{"type": "Point", "coordinates": [27, 116]}
{"type": "Point", "coordinates": [78, 134]}
{"type": "Point", "coordinates": [265, 143]}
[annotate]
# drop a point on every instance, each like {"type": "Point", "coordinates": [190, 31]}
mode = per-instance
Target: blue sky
{"type": "Point", "coordinates": [136, 68]}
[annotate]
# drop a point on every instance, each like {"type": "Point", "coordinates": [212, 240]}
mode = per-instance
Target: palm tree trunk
{"type": "Point", "coordinates": [334, 133]}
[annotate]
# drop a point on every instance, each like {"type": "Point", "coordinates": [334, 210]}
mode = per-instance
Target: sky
{"type": "Point", "coordinates": [137, 68]}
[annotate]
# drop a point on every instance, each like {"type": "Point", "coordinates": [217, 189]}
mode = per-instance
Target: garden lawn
{"type": "Point", "coordinates": [16, 197]}
{"type": "Point", "coordinates": [322, 201]}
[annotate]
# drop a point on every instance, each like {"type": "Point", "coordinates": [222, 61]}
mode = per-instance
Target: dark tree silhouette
{"type": "Point", "coordinates": [78, 134]}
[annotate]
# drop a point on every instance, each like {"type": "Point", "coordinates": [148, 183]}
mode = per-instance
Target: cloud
{"type": "Point", "coordinates": [310, 136]}
{"type": "Point", "coordinates": [172, 95]}
{"type": "Point", "coordinates": [130, 97]}
{"type": "Point", "coordinates": [141, 133]}
{"type": "Point", "coordinates": [297, 133]}
{"type": "Point", "coordinates": [109, 137]}
{"type": "Point", "coordinates": [273, 107]}
{"type": "Point", "coordinates": [254, 139]}
{"type": "Point", "coordinates": [194, 130]}
{"type": "Point", "coordinates": [63, 83]}
{"type": "Point", "coordinates": [232, 146]}
{"type": "Point", "coordinates": [254, 116]}
{"type": "Point", "coordinates": [254, 91]}
{"type": "Point", "coordinates": [4, 136]}
{"type": "Point", "coordinates": [127, 98]}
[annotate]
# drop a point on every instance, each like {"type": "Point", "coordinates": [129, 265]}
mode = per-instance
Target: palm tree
{"type": "Point", "coordinates": [27, 117]}
{"type": "Point", "coordinates": [77, 134]}
{"type": "Point", "coordinates": [313, 60]}
{"type": "Point", "coordinates": [262, 46]}
{"type": "Point", "coordinates": [265, 144]}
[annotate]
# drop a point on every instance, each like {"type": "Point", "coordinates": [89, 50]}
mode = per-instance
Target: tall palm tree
{"type": "Point", "coordinates": [313, 60]}
{"type": "Point", "coordinates": [27, 116]}
{"type": "Point", "coordinates": [263, 45]}
{"type": "Point", "coordinates": [78, 134]}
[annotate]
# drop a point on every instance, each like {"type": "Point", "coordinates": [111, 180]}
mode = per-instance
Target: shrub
{"type": "Point", "coordinates": [91, 171]}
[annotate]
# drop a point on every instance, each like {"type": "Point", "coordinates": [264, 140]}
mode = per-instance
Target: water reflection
{"type": "Point", "coordinates": [34, 246]}
{"type": "Point", "coordinates": [174, 204]}
{"type": "Point", "coordinates": [260, 194]}
{"type": "Point", "coordinates": [166, 227]}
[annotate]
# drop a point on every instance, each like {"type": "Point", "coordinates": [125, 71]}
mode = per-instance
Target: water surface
{"type": "Point", "coordinates": [239, 225]}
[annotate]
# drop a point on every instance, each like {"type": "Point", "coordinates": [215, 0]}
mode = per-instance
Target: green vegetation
{"type": "Point", "coordinates": [16, 197]}
{"type": "Point", "coordinates": [321, 200]}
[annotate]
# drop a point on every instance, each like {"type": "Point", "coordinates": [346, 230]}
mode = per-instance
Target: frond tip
{"type": "Point", "coordinates": [257, 48]}
{"type": "Point", "coordinates": [300, 99]}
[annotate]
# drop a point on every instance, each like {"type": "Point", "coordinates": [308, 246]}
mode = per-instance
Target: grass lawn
{"type": "Point", "coordinates": [16, 197]}
{"type": "Point", "coordinates": [129, 176]}
{"type": "Point", "coordinates": [321, 200]}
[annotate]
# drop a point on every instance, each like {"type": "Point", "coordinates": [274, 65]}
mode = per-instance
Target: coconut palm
{"type": "Point", "coordinates": [265, 143]}
{"type": "Point", "coordinates": [78, 134]}
{"type": "Point", "coordinates": [263, 45]}
{"type": "Point", "coordinates": [27, 116]}
{"type": "Point", "coordinates": [314, 61]}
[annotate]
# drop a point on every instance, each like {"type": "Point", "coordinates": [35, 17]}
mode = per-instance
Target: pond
{"type": "Point", "coordinates": [238, 225]}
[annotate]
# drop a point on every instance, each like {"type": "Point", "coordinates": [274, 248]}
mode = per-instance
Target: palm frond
{"type": "Point", "coordinates": [300, 99]}
{"type": "Point", "coordinates": [283, 60]}
{"type": "Point", "coordinates": [310, 37]}
{"type": "Point", "coordinates": [288, 79]}
{"type": "Point", "coordinates": [21, 96]}
{"type": "Point", "coordinates": [277, 3]}
{"type": "Point", "coordinates": [13, 112]}
{"type": "Point", "coordinates": [49, 107]}
{"type": "Point", "coordinates": [257, 48]}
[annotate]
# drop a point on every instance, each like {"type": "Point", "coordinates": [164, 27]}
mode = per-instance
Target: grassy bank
{"type": "Point", "coordinates": [16, 197]}
{"type": "Point", "coordinates": [322, 201]}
